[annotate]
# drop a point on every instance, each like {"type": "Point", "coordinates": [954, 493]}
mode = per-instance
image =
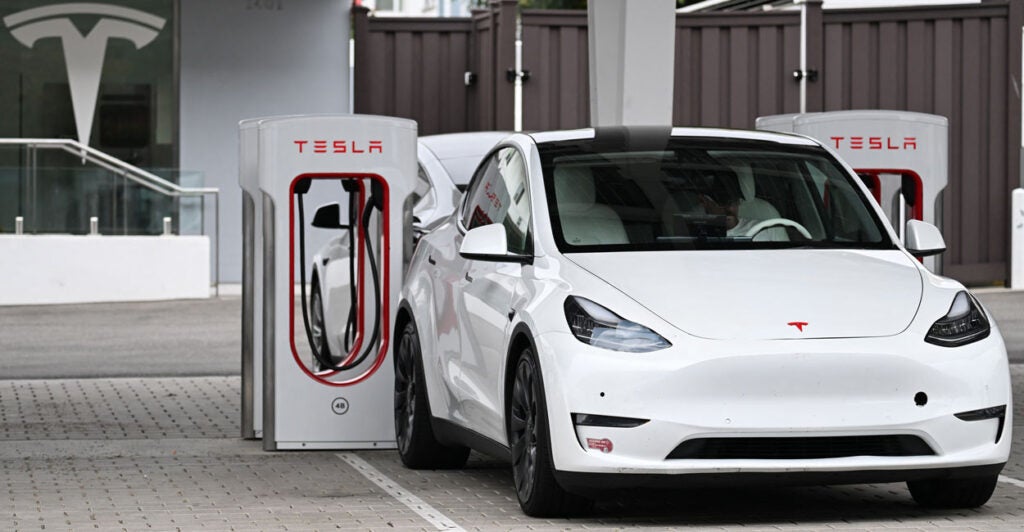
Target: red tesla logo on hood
{"type": "Point", "coordinates": [798, 324]}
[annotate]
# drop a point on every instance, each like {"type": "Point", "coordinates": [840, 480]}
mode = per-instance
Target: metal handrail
{"type": "Point", "coordinates": [136, 175]}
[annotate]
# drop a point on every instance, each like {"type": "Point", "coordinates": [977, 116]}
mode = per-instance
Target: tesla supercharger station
{"type": "Point", "coordinates": [902, 157]}
{"type": "Point", "coordinates": [373, 160]}
{"type": "Point", "coordinates": [252, 275]}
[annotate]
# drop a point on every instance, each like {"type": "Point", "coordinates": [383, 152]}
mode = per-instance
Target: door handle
{"type": "Point", "coordinates": [431, 260]}
{"type": "Point", "coordinates": [468, 278]}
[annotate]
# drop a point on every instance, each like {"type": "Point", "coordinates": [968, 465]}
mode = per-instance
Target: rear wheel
{"type": "Point", "coordinates": [532, 467]}
{"type": "Point", "coordinates": [416, 443]}
{"type": "Point", "coordinates": [953, 492]}
{"type": "Point", "coordinates": [317, 328]}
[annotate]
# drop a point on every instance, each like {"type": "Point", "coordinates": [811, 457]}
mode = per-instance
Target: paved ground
{"type": "Point", "coordinates": [136, 428]}
{"type": "Point", "coordinates": [162, 453]}
{"type": "Point", "coordinates": [164, 338]}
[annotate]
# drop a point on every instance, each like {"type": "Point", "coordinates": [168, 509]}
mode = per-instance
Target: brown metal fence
{"type": "Point", "coordinates": [448, 74]}
{"type": "Point", "coordinates": [960, 62]}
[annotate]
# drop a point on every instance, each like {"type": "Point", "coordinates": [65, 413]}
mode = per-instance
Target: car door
{"type": "Point", "coordinates": [448, 277]}
{"type": "Point", "coordinates": [485, 292]}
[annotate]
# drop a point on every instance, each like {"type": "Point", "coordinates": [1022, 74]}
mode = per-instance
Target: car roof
{"type": "Point", "coordinates": [694, 132]}
{"type": "Point", "coordinates": [461, 153]}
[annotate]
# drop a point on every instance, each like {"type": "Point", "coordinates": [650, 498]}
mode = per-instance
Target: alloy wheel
{"type": "Point", "coordinates": [523, 427]}
{"type": "Point", "coordinates": [405, 391]}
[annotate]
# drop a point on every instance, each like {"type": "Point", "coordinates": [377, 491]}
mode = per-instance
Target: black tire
{"type": "Point", "coordinates": [417, 446]}
{"type": "Point", "coordinates": [953, 492]}
{"type": "Point", "coordinates": [317, 328]}
{"type": "Point", "coordinates": [538, 492]}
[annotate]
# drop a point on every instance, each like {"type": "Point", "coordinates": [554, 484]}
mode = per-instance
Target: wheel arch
{"type": "Point", "coordinates": [402, 316]}
{"type": "Point", "coordinates": [521, 338]}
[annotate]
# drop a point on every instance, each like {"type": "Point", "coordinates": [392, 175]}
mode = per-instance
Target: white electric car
{"type": "Point", "coordinates": [446, 163]}
{"type": "Point", "coordinates": [658, 308]}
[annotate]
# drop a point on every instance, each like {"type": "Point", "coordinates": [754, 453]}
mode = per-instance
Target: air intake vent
{"type": "Point", "coordinates": [800, 448]}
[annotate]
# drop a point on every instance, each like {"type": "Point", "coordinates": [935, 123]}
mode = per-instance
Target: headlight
{"type": "Point", "coordinates": [964, 323]}
{"type": "Point", "coordinates": [595, 325]}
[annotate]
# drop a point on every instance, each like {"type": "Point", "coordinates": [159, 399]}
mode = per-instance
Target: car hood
{"type": "Point", "coordinates": [768, 294]}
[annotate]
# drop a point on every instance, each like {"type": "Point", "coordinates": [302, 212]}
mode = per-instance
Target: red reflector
{"type": "Point", "coordinates": [604, 444]}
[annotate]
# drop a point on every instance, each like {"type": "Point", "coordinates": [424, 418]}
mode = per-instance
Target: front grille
{"type": "Point", "coordinates": [801, 447]}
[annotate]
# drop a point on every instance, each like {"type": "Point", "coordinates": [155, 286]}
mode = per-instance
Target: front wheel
{"type": "Point", "coordinates": [415, 438]}
{"type": "Point", "coordinates": [953, 492]}
{"type": "Point", "coordinates": [529, 439]}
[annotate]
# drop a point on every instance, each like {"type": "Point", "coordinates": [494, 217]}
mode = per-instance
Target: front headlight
{"type": "Point", "coordinates": [964, 323]}
{"type": "Point", "coordinates": [595, 325]}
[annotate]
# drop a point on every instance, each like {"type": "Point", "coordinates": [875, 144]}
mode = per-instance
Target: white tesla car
{"type": "Point", "coordinates": [446, 163]}
{"type": "Point", "coordinates": [646, 307]}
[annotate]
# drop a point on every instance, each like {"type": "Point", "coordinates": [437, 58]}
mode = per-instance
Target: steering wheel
{"type": "Point", "coordinates": [771, 222]}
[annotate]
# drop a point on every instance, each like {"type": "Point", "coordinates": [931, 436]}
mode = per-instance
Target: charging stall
{"type": "Point", "coordinates": [313, 398]}
{"type": "Point", "coordinates": [252, 271]}
{"type": "Point", "coordinates": [902, 157]}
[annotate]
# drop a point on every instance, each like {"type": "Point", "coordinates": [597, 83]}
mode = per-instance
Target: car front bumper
{"type": "Point", "coordinates": [775, 389]}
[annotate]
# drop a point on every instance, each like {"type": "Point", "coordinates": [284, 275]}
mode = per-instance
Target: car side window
{"type": "Point", "coordinates": [499, 195]}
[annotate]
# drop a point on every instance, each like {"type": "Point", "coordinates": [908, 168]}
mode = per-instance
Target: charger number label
{"type": "Point", "coordinates": [339, 405]}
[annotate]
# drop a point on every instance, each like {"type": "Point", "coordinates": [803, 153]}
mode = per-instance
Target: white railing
{"type": "Point", "coordinates": [131, 173]}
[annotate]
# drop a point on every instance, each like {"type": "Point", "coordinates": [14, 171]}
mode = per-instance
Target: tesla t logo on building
{"type": "Point", "coordinates": [798, 324]}
{"type": "Point", "coordinates": [83, 54]}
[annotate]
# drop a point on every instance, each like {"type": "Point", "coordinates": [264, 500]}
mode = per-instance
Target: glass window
{"type": "Point", "coordinates": [100, 73]}
{"type": "Point", "coordinates": [499, 195]}
{"type": "Point", "coordinates": [704, 194]}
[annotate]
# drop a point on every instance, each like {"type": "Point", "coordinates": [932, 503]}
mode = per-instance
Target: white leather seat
{"type": "Point", "coordinates": [585, 222]}
{"type": "Point", "coordinates": [751, 206]}
{"type": "Point", "coordinates": [756, 209]}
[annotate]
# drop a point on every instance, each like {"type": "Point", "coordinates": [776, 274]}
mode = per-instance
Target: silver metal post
{"type": "Point", "coordinates": [216, 244]}
{"type": "Point", "coordinates": [167, 226]}
{"type": "Point", "coordinates": [19, 225]}
{"type": "Point", "coordinates": [94, 225]}
{"type": "Point", "coordinates": [34, 172]}
{"type": "Point", "coordinates": [124, 205]}
{"type": "Point", "coordinates": [803, 57]}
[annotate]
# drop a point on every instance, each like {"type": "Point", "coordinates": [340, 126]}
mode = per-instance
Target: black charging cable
{"type": "Point", "coordinates": [300, 189]}
{"type": "Point", "coordinates": [352, 187]}
{"type": "Point", "coordinates": [376, 201]}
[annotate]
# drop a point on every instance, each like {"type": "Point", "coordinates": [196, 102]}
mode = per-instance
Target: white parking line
{"type": "Point", "coordinates": [1008, 480]}
{"type": "Point", "coordinates": [424, 510]}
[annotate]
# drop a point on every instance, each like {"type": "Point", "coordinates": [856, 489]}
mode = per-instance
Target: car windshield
{"type": "Point", "coordinates": [702, 193]}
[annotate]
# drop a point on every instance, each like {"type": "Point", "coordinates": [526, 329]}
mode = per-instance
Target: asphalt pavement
{"type": "Point", "coordinates": [203, 337]}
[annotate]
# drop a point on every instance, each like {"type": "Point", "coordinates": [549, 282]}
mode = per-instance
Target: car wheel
{"type": "Point", "coordinates": [538, 492]}
{"type": "Point", "coordinates": [316, 325]}
{"type": "Point", "coordinates": [953, 492]}
{"type": "Point", "coordinates": [417, 446]}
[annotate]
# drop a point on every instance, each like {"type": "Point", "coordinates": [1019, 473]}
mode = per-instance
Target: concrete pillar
{"type": "Point", "coordinates": [632, 61]}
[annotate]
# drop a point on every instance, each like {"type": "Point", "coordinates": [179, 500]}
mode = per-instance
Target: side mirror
{"type": "Point", "coordinates": [923, 239]}
{"type": "Point", "coordinates": [489, 243]}
{"type": "Point", "coordinates": [328, 217]}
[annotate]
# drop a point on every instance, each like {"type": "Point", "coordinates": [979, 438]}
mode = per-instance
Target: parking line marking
{"type": "Point", "coordinates": [1008, 480]}
{"type": "Point", "coordinates": [424, 510]}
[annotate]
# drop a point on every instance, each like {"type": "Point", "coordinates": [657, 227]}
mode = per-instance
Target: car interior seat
{"type": "Point", "coordinates": [754, 208]}
{"type": "Point", "coordinates": [751, 206]}
{"type": "Point", "coordinates": [584, 221]}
